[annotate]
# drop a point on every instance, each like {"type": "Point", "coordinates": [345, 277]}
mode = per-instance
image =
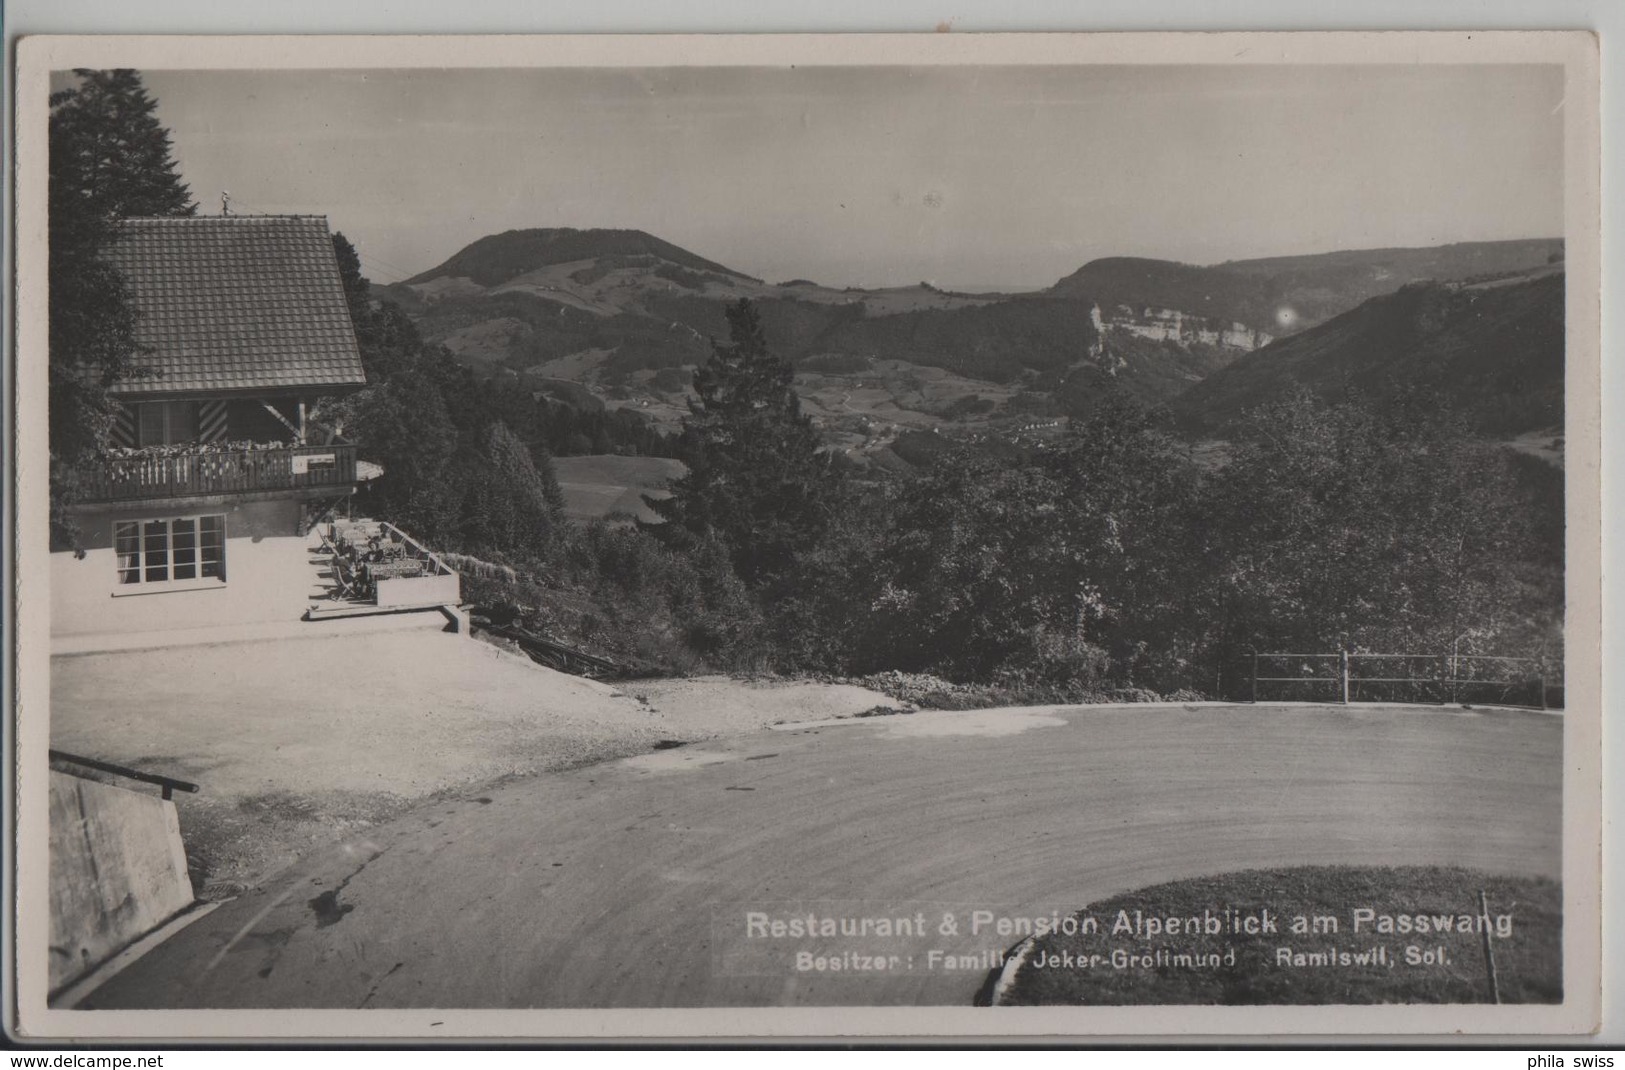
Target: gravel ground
{"type": "Point", "coordinates": [299, 742]}
{"type": "Point", "coordinates": [629, 884]}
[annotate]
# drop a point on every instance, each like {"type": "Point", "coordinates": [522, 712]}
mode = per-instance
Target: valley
{"type": "Point", "coordinates": [618, 320]}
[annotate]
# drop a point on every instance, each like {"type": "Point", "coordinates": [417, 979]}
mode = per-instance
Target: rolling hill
{"type": "Point", "coordinates": [613, 309]}
{"type": "Point", "coordinates": [1494, 349]}
{"type": "Point", "coordinates": [1140, 283]}
{"type": "Point", "coordinates": [495, 259]}
{"type": "Point", "coordinates": [622, 315]}
{"type": "Point", "coordinates": [1287, 294]}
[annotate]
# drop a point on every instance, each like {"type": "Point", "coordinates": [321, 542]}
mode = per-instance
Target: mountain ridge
{"type": "Point", "coordinates": [499, 258]}
{"type": "Point", "coordinates": [1285, 294]}
{"type": "Point", "coordinates": [1494, 350]}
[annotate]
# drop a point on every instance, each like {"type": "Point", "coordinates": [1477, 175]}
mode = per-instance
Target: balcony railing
{"type": "Point", "coordinates": [184, 473]}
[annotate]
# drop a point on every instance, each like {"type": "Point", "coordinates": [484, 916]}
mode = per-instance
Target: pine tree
{"type": "Point", "coordinates": [756, 478]}
{"type": "Point", "coordinates": [109, 159]}
{"type": "Point", "coordinates": [552, 491]}
{"type": "Point", "coordinates": [357, 289]}
{"type": "Point", "coordinates": [505, 500]}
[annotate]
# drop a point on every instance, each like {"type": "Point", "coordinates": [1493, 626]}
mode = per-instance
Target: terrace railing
{"type": "Point", "coordinates": [181, 473]}
{"type": "Point", "coordinates": [391, 570]}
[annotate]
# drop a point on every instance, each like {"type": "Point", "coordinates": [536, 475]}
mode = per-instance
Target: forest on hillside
{"type": "Point", "coordinates": [1111, 561]}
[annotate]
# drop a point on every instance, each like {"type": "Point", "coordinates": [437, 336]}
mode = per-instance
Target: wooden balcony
{"type": "Point", "coordinates": [185, 474]}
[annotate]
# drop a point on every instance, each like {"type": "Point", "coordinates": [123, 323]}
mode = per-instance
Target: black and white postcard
{"type": "Point", "coordinates": [962, 535]}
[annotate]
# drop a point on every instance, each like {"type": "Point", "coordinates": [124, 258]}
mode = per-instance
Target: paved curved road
{"type": "Point", "coordinates": [633, 883]}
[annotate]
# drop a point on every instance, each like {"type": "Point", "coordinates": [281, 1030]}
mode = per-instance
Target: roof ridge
{"type": "Point", "coordinates": [218, 218]}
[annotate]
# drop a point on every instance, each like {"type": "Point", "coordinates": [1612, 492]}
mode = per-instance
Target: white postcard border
{"type": "Point", "coordinates": [1577, 51]}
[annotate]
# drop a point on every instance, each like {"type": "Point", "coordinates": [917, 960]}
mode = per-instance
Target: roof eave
{"type": "Point", "coordinates": [157, 393]}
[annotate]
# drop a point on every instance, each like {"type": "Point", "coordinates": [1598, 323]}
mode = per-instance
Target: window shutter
{"type": "Point", "coordinates": [123, 433]}
{"type": "Point", "coordinates": [212, 421]}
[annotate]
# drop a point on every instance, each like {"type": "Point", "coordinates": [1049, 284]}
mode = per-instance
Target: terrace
{"type": "Point", "coordinates": [375, 567]}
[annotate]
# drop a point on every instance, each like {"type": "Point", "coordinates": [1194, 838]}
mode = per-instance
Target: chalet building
{"type": "Point", "coordinates": [196, 514]}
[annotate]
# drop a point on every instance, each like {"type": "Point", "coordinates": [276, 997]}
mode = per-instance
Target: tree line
{"type": "Point", "coordinates": [1112, 559]}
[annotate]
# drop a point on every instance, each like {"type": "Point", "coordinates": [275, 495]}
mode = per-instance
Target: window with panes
{"type": "Point", "coordinates": [189, 548]}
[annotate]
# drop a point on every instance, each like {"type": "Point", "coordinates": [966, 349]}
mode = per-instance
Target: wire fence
{"type": "Point", "coordinates": [1449, 678]}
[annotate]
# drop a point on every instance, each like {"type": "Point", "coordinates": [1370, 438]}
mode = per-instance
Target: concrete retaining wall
{"type": "Point", "coordinates": [118, 870]}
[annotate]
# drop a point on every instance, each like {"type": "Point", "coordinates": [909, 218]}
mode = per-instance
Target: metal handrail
{"type": "Point", "coordinates": [168, 783]}
{"type": "Point", "coordinates": [444, 569]}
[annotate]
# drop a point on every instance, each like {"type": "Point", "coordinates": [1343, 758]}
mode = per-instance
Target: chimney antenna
{"type": "Point", "coordinates": [225, 202]}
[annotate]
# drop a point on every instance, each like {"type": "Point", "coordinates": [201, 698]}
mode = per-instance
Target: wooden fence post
{"type": "Point", "coordinates": [1343, 660]}
{"type": "Point", "coordinates": [1255, 677]}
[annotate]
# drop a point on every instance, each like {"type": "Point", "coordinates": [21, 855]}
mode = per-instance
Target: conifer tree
{"type": "Point", "coordinates": [505, 499]}
{"type": "Point", "coordinates": [109, 158]}
{"type": "Point", "coordinates": [756, 478]}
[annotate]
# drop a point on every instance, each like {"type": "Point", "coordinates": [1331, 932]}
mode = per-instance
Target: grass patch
{"type": "Point", "coordinates": [602, 485]}
{"type": "Point", "coordinates": [882, 711]}
{"type": "Point", "coordinates": [1240, 968]}
{"type": "Point", "coordinates": [935, 693]}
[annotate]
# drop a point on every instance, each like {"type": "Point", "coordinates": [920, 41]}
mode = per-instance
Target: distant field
{"type": "Point", "coordinates": [487, 341]}
{"type": "Point", "coordinates": [848, 407]}
{"type": "Point", "coordinates": [575, 366]}
{"type": "Point", "coordinates": [897, 392]}
{"type": "Point", "coordinates": [899, 299]}
{"type": "Point", "coordinates": [601, 485]}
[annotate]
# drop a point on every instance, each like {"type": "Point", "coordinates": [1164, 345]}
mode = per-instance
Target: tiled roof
{"type": "Point", "coordinates": [237, 303]}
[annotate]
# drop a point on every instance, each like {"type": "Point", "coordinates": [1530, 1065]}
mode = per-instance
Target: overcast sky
{"type": "Point", "coordinates": [991, 176]}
